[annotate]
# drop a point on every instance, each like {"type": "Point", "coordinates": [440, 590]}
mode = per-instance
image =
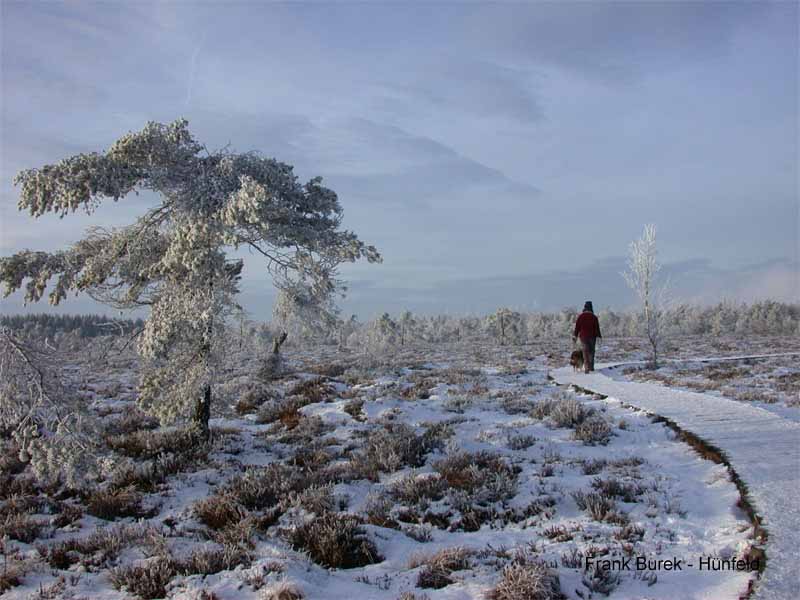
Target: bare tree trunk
{"type": "Point", "coordinates": [202, 412]}
{"type": "Point", "coordinates": [654, 344]}
{"type": "Point", "coordinates": [277, 342]}
{"type": "Point", "coordinates": [202, 407]}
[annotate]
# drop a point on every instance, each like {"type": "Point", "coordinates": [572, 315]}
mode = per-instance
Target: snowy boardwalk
{"type": "Point", "coordinates": [761, 447]}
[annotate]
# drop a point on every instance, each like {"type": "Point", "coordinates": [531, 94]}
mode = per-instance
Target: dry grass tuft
{"type": "Point", "coordinates": [593, 430]}
{"type": "Point", "coordinates": [471, 471]}
{"type": "Point", "coordinates": [336, 541]}
{"type": "Point", "coordinates": [21, 527]}
{"type": "Point", "coordinates": [532, 581]}
{"type": "Point", "coordinates": [148, 581]}
{"type": "Point", "coordinates": [150, 444]}
{"type": "Point", "coordinates": [282, 591]}
{"type": "Point", "coordinates": [596, 505]}
{"type": "Point", "coordinates": [437, 568]}
{"type": "Point", "coordinates": [219, 512]}
{"type": "Point", "coordinates": [116, 503]}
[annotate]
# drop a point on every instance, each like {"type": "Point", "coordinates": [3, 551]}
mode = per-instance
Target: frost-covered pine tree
{"type": "Point", "coordinates": [383, 333]}
{"type": "Point", "coordinates": [173, 259]}
{"type": "Point", "coordinates": [345, 329]}
{"type": "Point", "coordinates": [407, 326]}
{"type": "Point", "coordinates": [505, 325]}
{"type": "Point", "coordinates": [642, 277]}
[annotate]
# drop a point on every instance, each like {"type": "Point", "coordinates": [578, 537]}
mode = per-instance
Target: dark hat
{"type": "Point", "coordinates": [588, 306]}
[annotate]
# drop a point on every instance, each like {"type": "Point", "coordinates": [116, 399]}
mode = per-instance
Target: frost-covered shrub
{"type": "Point", "coordinates": [630, 533]}
{"type": "Point", "coordinates": [218, 511]}
{"type": "Point", "coordinates": [471, 471]}
{"type": "Point", "coordinates": [285, 410]}
{"type": "Point", "coordinates": [542, 408]}
{"type": "Point", "coordinates": [436, 435]}
{"type": "Point", "coordinates": [531, 581]}
{"type": "Point", "coordinates": [11, 576]}
{"type": "Point", "coordinates": [354, 409]}
{"type": "Point", "coordinates": [252, 398]}
{"type": "Point", "coordinates": [593, 466]}
{"type": "Point", "coordinates": [568, 412]}
{"type": "Point", "coordinates": [314, 499]}
{"type": "Point", "coordinates": [436, 568]}
{"type": "Point", "coordinates": [458, 403]}
{"type": "Point", "coordinates": [312, 391]}
{"type": "Point", "coordinates": [66, 515]}
{"type": "Point", "coordinates": [614, 488]}
{"type": "Point", "coordinates": [413, 489]}
{"type": "Point", "coordinates": [389, 449]}
{"type": "Point", "coordinates": [593, 430]}
{"type": "Point", "coordinates": [601, 581]}
{"type": "Point", "coordinates": [515, 405]}
{"type": "Point", "coordinates": [498, 486]}
{"type": "Point", "coordinates": [312, 458]}
{"type": "Point", "coordinates": [259, 488]}
{"type": "Point", "coordinates": [115, 503]}
{"type": "Point", "coordinates": [148, 475]}
{"type": "Point", "coordinates": [282, 590]}
{"type": "Point", "coordinates": [412, 596]}
{"type": "Point", "coordinates": [146, 444]}
{"type": "Point", "coordinates": [520, 442]}
{"type": "Point", "coordinates": [20, 527]}
{"type": "Point", "coordinates": [51, 427]}
{"type": "Point", "coordinates": [378, 511]}
{"type": "Point", "coordinates": [148, 581]}
{"type": "Point", "coordinates": [596, 505]}
{"type": "Point", "coordinates": [130, 422]}
{"type": "Point", "coordinates": [335, 541]}
{"type": "Point", "coordinates": [208, 560]}
{"type": "Point", "coordinates": [506, 325]}
{"type": "Point", "coordinates": [100, 548]}
{"type": "Point", "coordinates": [305, 430]}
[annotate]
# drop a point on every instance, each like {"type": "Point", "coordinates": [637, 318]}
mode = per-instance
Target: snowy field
{"type": "Point", "coordinates": [771, 383]}
{"type": "Point", "coordinates": [455, 472]}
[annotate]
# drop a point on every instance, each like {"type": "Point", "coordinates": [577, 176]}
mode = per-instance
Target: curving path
{"type": "Point", "coordinates": [761, 447]}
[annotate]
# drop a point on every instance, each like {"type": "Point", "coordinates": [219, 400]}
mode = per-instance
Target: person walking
{"type": "Point", "coordinates": [587, 328]}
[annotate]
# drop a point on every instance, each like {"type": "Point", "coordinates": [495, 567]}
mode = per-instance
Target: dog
{"type": "Point", "coordinates": [576, 359]}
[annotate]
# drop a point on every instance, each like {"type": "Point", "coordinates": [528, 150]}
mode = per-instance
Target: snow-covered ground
{"type": "Point", "coordinates": [768, 382]}
{"type": "Point", "coordinates": [429, 473]}
{"type": "Point", "coordinates": [761, 447]}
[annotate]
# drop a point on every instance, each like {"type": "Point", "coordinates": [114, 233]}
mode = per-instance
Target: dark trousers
{"type": "Point", "coordinates": [588, 353]}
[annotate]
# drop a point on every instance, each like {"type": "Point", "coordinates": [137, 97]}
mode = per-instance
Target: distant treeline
{"type": "Point", "coordinates": [85, 326]}
{"type": "Point", "coordinates": [760, 318]}
{"type": "Point", "coordinates": [515, 327]}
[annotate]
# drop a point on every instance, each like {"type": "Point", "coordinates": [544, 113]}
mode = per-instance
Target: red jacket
{"type": "Point", "coordinates": [587, 326]}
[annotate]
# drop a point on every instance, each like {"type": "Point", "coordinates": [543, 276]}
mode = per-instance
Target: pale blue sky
{"type": "Point", "coordinates": [497, 154]}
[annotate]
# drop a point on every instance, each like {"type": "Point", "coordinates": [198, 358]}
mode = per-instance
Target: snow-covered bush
{"type": "Point", "coordinates": [597, 506]}
{"type": "Point", "coordinates": [506, 326]}
{"type": "Point", "coordinates": [336, 541]}
{"type": "Point", "coordinates": [527, 581]}
{"type": "Point", "coordinates": [49, 424]}
{"type": "Point", "coordinates": [593, 430]}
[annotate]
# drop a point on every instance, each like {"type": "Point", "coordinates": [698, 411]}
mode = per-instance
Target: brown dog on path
{"type": "Point", "coordinates": [576, 359]}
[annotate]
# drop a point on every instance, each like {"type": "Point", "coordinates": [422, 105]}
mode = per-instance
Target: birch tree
{"type": "Point", "coordinates": [642, 277]}
{"type": "Point", "coordinates": [174, 258]}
